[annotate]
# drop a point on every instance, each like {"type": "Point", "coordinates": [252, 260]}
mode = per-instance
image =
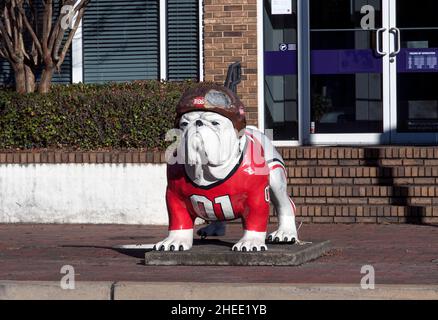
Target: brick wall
{"type": "Point", "coordinates": [328, 184]}
{"type": "Point", "coordinates": [81, 157]}
{"type": "Point", "coordinates": [230, 34]}
{"type": "Point", "coordinates": [364, 184]}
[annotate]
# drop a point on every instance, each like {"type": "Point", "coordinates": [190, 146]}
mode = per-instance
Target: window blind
{"type": "Point", "coordinates": [182, 39]}
{"type": "Point", "coordinates": [121, 40]}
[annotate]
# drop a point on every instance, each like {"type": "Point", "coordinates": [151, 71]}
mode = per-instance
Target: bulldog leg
{"type": "Point", "coordinates": [180, 225]}
{"type": "Point", "coordinates": [178, 240]}
{"type": "Point", "coordinates": [251, 241]}
{"type": "Point", "coordinates": [255, 223]}
{"type": "Point", "coordinates": [287, 231]}
{"type": "Point", "coordinates": [214, 229]}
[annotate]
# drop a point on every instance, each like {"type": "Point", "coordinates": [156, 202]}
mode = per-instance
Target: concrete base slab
{"type": "Point", "coordinates": [218, 253]}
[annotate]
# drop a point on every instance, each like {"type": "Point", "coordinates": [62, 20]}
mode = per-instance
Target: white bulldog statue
{"type": "Point", "coordinates": [224, 171]}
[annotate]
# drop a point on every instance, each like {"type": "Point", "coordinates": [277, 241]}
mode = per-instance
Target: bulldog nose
{"type": "Point", "coordinates": [199, 123]}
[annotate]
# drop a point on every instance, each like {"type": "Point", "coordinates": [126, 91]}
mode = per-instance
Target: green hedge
{"type": "Point", "coordinates": [90, 117]}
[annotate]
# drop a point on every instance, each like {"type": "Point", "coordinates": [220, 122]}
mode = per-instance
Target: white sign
{"type": "Point", "coordinates": [281, 7]}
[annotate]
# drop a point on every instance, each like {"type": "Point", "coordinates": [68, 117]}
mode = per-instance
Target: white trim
{"type": "Point", "coordinates": [303, 34]}
{"type": "Point", "coordinates": [261, 74]}
{"type": "Point", "coordinates": [347, 139]}
{"type": "Point", "coordinates": [291, 143]}
{"type": "Point", "coordinates": [77, 63]}
{"type": "Point", "coordinates": [260, 68]}
{"type": "Point", "coordinates": [387, 69]}
{"type": "Point", "coordinates": [396, 137]}
{"type": "Point", "coordinates": [201, 39]}
{"type": "Point", "coordinates": [365, 138]}
{"type": "Point", "coordinates": [163, 40]}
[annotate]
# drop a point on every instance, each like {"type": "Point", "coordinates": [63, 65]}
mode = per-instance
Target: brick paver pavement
{"type": "Point", "coordinates": [401, 254]}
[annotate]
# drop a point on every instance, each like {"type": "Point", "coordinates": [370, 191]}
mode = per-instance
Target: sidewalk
{"type": "Point", "coordinates": [401, 255]}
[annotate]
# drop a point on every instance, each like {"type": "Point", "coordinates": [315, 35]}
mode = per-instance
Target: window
{"type": "Point", "coordinates": [121, 40]}
{"type": "Point", "coordinates": [182, 40]}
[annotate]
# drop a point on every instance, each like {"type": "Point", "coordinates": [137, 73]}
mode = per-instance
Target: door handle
{"type": "Point", "coordinates": [379, 43]}
{"type": "Point", "coordinates": [396, 32]}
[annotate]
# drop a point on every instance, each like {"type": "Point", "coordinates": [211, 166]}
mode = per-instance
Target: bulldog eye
{"type": "Point", "coordinates": [215, 123]}
{"type": "Point", "coordinates": [184, 124]}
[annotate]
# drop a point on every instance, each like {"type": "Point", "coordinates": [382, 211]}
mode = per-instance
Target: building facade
{"type": "Point", "coordinates": [315, 72]}
{"type": "Point", "coordinates": [335, 84]}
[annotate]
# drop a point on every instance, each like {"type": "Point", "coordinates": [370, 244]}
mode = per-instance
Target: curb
{"type": "Point", "coordinates": [51, 290]}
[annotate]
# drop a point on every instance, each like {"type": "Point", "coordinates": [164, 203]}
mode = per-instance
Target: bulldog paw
{"type": "Point", "coordinates": [283, 236]}
{"type": "Point", "coordinates": [178, 240]}
{"type": "Point", "coordinates": [214, 229]}
{"type": "Point", "coordinates": [251, 241]}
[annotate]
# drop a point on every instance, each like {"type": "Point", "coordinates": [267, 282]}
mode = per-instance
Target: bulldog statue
{"type": "Point", "coordinates": [225, 172]}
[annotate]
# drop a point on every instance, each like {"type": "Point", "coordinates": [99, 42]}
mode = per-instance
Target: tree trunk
{"type": "Point", "coordinates": [20, 78]}
{"type": "Point", "coordinates": [30, 79]}
{"type": "Point", "coordinates": [46, 80]}
{"type": "Point", "coordinates": [24, 79]}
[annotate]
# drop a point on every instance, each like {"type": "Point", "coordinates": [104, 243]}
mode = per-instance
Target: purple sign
{"type": "Point", "coordinates": [324, 62]}
{"type": "Point", "coordinates": [351, 61]}
{"type": "Point", "coordinates": [279, 63]}
{"type": "Point", "coordinates": [345, 62]}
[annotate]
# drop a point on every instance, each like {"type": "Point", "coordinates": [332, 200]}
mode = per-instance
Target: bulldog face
{"type": "Point", "coordinates": [208, 138]}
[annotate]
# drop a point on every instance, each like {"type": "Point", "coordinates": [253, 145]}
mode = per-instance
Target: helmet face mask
{"type": "Point", "coordinates": [212, 98]}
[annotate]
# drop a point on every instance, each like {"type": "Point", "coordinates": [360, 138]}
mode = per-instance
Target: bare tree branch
{"type": "Point", "coordinates": [59, 57]}
{"type": "Point", "coordinates": [56, 30]}
{"type": "Point", "coordinates": [30, 29]}
{"type": "Point", "coordinates": [47, 25]}
{"type": "Point", "coordinates": [31, 40]}
{"type": "Point", "coordinates": [7, 38]}
{"type": "Point", "coordinates": [70, 36]}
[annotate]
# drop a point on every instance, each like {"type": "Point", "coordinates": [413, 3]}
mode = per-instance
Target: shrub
{"type": "Point", "coordinates": [90, 117]}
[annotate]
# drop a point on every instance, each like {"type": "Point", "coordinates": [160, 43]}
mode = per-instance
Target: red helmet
{"type": "Point", "coordinates": [213, 98]}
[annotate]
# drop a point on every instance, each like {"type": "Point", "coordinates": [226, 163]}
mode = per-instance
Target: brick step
{"type": "Point", "coordinates": [368, 220]}
{"type": "Point", "coordinates": [360, 153]}
{"type": "Point", "coordinates": [363, 172]}
{"type": "Point", "coordinates": [363, 191]}
{"type": "Point", "coordinates": [399, 201]}
{"type": "Point", "coordinates": [396, 182]}
{"type": "Point", "coordinates": [347, 211]}
{"type": "Point", "coordinates": [362, 163]}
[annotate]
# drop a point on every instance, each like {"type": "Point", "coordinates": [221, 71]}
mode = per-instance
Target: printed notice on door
{"type": "Point", "coordinates": [281, 7]}
{"type": "Point", "coordinates": [422, 60]}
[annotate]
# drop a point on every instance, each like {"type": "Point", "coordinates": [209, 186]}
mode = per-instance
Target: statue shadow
{"type": "Point", "coordinates": [139, 253]}
{"type": "Point", "coordinates": [134, 253]}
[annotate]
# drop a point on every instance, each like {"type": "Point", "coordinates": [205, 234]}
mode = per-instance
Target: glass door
{"type": "Point", "coordinates": [280, 110]}
{"type": "Point", "coordinates": [413, 37]}
{"type": "Point", "coordinates": [348, 86]}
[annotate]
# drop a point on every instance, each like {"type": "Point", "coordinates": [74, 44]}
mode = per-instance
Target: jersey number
{"type": "Point", "coordinates": [204, 207]}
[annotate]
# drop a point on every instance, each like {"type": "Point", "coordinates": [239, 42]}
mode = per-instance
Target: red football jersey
{"type": "Point", "coordinates": [244, 193]}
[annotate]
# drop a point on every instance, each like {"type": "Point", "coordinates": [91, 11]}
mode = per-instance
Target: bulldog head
{"type": "Point", "coordinates": [208, 138]}
{"type": "Point", "coordinates": [212, 120]}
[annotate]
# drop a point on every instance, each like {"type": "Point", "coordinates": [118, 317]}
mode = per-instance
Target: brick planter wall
{"type": "Point", "coordinates": [328, 185]}
{"type": "Point", "coordinates": [81, 157]}
{"type": "Point", "coordinates": [230, 35]}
